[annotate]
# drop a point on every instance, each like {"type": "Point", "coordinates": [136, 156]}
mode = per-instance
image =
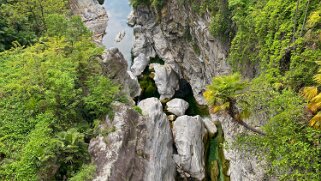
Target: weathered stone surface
{"type": "Point", "coordinates": [166, 81]}
{"type": "Point", "coordinates": [142, 44]}
{"type": "Point", "coordinates": [210, 126]}
{"type": "Point", "coordinates": [137, 147]}
{"type": "Point", "coordinates": [183, 41]}
{"type": "Point", "coordinates": [115, 66]}
{"type": "Point", "coordinates": [189, 136]}
{"type": "Point", "coordinates": [131, 20]}
{"type": "Point", "coordinates": [177, 106]}
{"type": "Point", "coordinates": [93, 15]}
{"type": "Point", "coordinates": [242, 165]}
{"type": "Point", "coordinates": [120, 154]}
{"type": "Point", "coordinates": [139, 65]}
{"type": "Point", "coordinates": [120, 36]}
{"type": "Point", "coordinates": [159, 146]}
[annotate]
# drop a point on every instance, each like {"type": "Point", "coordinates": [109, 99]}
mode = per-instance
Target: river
{"type": "Point", "coordinates": [118, 11]}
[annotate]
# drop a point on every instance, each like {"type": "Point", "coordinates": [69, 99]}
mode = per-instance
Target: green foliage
{"type": "Point", "coordinates": [291, 149]}
{"type": "Point", "coordinates": [50, 95]}
{"type": "Point", "coordinates": [138, 109]}
{"type": "Point", "coordinates": [25, 21]}
{"type": "Point", "coordinates": [273, 33]}
{"type": "Point", "coordinates": [102, 93]}
{"type": "Point", "coordinates": [85, 174]}
{"type": "Point", "coordinates": [154, 3]}
{"type": "Point", "coordinates": [223, 90]}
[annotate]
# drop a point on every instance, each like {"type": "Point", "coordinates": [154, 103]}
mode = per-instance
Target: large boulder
{"type": "Point", "coordinates": [166, 80]}
{"type": "Point", "coordinates": [159, 146]}
{"type": "Point", "coordinates": [177, 106]}
{"type": "Point", "coordinates": [189, 137]}
{"type": "Point", "coordinates": [119, 155]}
{"type": "Point", "coordinates": [139, 65]}
{"type": "Point", "coordinates": [93, 15]}
{"type": "Point", "coordinates": [134, 147]}
{"type": "Point", "coordinates": [115, 66]}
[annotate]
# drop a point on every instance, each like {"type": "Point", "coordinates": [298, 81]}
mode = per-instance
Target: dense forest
{"type": "Point", "coordinates": [53, 93]}
{"type": "Point", "coordinates": [282, 41]}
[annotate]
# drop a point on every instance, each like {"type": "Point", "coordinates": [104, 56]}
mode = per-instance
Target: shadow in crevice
{"type": "Point", "coordinates": [185, 92]}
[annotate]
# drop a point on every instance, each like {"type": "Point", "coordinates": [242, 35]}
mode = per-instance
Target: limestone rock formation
{"type": "Point", "coordinates": [159, 147]}
{"type": "Point", "coordinates": [93, 15]}
{"type": "Point", "coordinates": [139, 64]}
{"type": "Point", "coordinates": [120, 154]}
{"type": "Point", "coordinates": [183, 41]}
{"type": "Point", "coordinates": [189, 136]}
{"type": "Point", "coordinates": [177, 106]}
{"type": "Point", "coordinates": [166, 81]}
{"type": "Point", "coordinates": [115, 66]}
{"type": "Point", "coordinates": [142, 44]}
{"type": "Point", "coordinates": [242, 166]}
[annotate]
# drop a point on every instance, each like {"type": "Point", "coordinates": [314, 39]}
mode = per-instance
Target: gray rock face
{"type": "Point", "coordinates": [183, 41]}
{"type": "Point", "coordinates": [159, 146]}
{"type": "Point", "coordinates": [177, 106]}
{"type": "Point", "coordinates": [139, 65]}
{"type": "Point", "coordinates": [189, 136]}
{"type": "Point", "coordinates": [142, 44]}
{"type": "Point", "coordinates": [137, 147]}
{"type": "Point", "coordinates": [93, 14]}
{"type": "Point", "coordinates": [131, 20]}
{"type": "Point", "coordinates": [242, 166]}
{"type": "Point", "coordinates": [166, 81]}
{"type": "Point", "coordinates": [115, 66]}
{"type": "Point", "coordinates": [120, 155]}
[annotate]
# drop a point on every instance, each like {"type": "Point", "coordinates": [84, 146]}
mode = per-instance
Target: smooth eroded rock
{"type": "Point", "coordinates": [189, 137]}
{"type": "Point", "coordinates": [166, 81]}
{"type": "Point", "coordinates": [139, 65]}
{"type": "Point", "coordinates": [159, 146]}
{"type": "Point", "coordinates": [177, 106]}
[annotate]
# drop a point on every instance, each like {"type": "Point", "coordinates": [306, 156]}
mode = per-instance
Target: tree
{"type": "Point", "coordinates": [222, 95]}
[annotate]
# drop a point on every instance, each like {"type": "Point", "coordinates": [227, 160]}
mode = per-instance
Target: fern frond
{"type": "Point", "coordinates": [310, 92]}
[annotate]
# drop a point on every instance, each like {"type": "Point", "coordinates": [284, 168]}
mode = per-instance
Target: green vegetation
{"type": "Point", "coordinates": [281, 40]}
{"type": "Point", "coordinates": [158, 4]}
{"type": "Point", "coordinates": [224, 93]}
{"type": "Point", "coordinates": [51, 91]}
{"type": "Point", "coordinates": [217, 165]}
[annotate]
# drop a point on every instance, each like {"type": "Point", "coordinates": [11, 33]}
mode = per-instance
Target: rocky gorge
{"type": "Point", "coordinates": [166, 141]}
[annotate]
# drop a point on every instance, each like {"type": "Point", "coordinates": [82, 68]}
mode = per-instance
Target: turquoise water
{"type": "Point", "coordinates": [118, 11]}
